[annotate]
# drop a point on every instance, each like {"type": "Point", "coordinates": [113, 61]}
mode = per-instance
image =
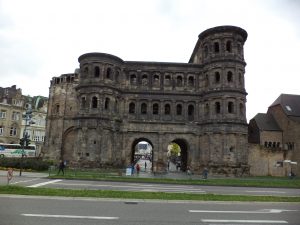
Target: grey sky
{"type": "Point", "coordinates": [43, 39]}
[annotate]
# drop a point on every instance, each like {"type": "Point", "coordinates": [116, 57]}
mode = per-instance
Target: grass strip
{"type": "Point", "coordinates": [11, 189]}
{"type": "Point", "coordinates": [237, 182]}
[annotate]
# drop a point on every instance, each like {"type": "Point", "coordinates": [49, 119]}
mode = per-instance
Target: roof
{"type": "Point", "coordinates": [266, 122]}
{"type": "Point", "coordinates": [289, 103]}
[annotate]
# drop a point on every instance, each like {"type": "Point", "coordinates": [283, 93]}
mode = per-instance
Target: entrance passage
{"type": "Point", "coordinates": [177, 156]}
{"type": "Point", "coordinates": [142, 155]}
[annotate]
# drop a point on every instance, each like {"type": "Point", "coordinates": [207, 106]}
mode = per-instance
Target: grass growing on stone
{"type": "Point", "coordinates": [17, 190]}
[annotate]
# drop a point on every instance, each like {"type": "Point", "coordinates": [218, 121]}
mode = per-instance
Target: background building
{"type": "Point", "coordinates": [274, 138]}
{"type": "Point", "coordinates": [98, 114]}
{"type": "Point", "coordinates": [13, 106]}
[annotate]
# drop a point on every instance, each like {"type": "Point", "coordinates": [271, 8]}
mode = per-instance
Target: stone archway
{"type": "Point", "coordinates": [182, 160]}
{"type": "Point", "coordinates": [68, 145]}
{"type": "Point", "coordinates": [145, 156]}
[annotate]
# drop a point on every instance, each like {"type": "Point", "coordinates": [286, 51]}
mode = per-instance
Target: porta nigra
{"type": "Point", "coordinates": [98, 114]}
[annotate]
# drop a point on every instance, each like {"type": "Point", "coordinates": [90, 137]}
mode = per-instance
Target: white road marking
{"type": "Point", "coordinates": [72, 216]}
{"type": "Point", "coordinates": [44, 183]}
{"type": "Point", "coordinates": [255, 212]}
{"type": "Point", "coordinates": [24, 181]}
{"type": "Point", "coordinates": [243, 221]}
{"type": "Point", "coordinates": [265, 191]}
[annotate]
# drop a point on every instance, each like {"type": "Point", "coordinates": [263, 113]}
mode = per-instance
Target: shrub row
{"type": "Point", "coordinates": [35, 164]}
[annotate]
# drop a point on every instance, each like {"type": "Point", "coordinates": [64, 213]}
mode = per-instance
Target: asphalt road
{"type": "Point", "coordinates": [126, 186]}
{"type": "Point", "coordinates": [20, 210]}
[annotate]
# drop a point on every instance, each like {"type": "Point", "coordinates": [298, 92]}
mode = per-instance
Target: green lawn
{"type": "Point", "coordinates": [11, 189]}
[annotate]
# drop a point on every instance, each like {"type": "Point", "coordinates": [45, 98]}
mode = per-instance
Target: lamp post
{"type": "Point", "coordinates": [25, 140]}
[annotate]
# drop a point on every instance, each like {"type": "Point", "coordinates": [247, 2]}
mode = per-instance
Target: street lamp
{"type": "Point", "coordinates": [25, 141]}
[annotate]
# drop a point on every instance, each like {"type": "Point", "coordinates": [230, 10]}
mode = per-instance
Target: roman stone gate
{"type": "Point", "coordinates": [99, 113]}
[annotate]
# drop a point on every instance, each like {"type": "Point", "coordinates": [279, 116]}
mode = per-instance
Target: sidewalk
{"type": "Point", "coordinates": [3, 173]}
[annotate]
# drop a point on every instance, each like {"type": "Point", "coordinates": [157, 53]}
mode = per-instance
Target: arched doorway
{"type": "Point", "coordinates": [142, 154]}
{"type": "Point", "coordinates": [177, 155]}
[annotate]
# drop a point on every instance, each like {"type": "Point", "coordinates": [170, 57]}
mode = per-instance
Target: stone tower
{"type": "Point", "coordinates": [98, 114]}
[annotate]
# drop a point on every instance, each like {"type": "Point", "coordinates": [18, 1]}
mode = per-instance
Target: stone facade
{"type": "Point", "coordinates": [98, 114]}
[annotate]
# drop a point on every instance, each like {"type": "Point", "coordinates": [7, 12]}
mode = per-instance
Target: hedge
{"type": "Point", "coordinates": [36, 164]}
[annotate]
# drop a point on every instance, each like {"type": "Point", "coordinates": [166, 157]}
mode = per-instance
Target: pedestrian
{"type": "Point", "coordinates": [61, 167]}
{"type": "Point", "coordinates": [205, 173]}
{"type": "Point", "coordinates": [137, 168]}
{"type": "Point", "coordinates": [145, 166]}
{"type": "Point", "coordinates": [168, 165]}
{"type": "Point", "coordinates": [10, 174]}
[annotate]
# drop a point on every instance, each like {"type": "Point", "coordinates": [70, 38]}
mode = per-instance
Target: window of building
{"type": "Point", "coordinates": [106, 104]}
{"type": "Point", "coordinates": [131, 108]}
{"type": "Point", "coordinates": [206, 109]}
{"type": "Point", "coordinates": [83, 102]}
{"type": "Point", "coordinates": [13, 131]}
{"type": "Point", "coordinates": [217, 77]}
{"type": "Point", "coordinates": [117, 75]}
{"type": "Point", "coordinates": [216, 47]}
{"type": "Point", "coordinates": [179, 81]}
{"type": "Point", "coordinates": [156, 79]}
{"type": "Point", "coordinates": [57, 108]}
{"type": "Point", "coordinates": [191, 81]}
{"type": "Point", "coordinates": [132, 79]}
{"type": "Point", "coordinates": [97, 71]}
{"type": "Point", "coordinates": [144, 108]}
{"type": "Point", "coordinates": [167, 109]}
{"type": "Point", "coordinates": [155, 108]}
{"type": "Point", "coordinates": [179, 110]}
{"type": "Point", "coordinates": [2, 114]}
{"type": "Point", "coordinates": [15, 116]}
{"type": "Point", "coordinates": [144, 80]}
{"type": "Point", "coordinates": [191, 112]}
{"type": "Point", "coordinates": [266, 144]}
{"type": "Point", "coordinates": [228, 46]}
{"type": "Point", "coordinates": [168, 80]}
{"type": "Point", "coordinates": [230, 107]}
{"type": "Point", "coordinates": [108, 73]}
{"type": "Point", "coordinates": [85, 71]}
{"type": "Point", "coordinates": [217, 107]}
{"type": "Point", "coordinates": [1, 130]}
{"type": "Point", "coordinates": [206, 80]}
{"type": "Point", "coordinates": [94, 102]}
{"type": "Point", "coordinates": [229, 76]}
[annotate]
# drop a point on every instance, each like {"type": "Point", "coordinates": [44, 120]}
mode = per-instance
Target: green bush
{"type": "Point", "coordinates": [35, 164]}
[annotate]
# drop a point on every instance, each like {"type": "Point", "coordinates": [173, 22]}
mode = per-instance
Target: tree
{"type": "Point", "coordinates": [175, 149]}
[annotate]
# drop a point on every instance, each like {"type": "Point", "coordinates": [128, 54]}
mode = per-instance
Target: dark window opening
{"type": "Point", "coordinates": [94, 102]}
{"type": "Point", "coordinates": [179, 110]}
{"type": "Point", "coordinates": [144, 108]}
{"type": "Point", "coordinates": [217, 77]}
{"type": "Point", "coordinates": [218, 107]}
{"type": "Point", "coordinates": [216, 47]}
{"type": "Point", "coordinates": [97, 71]}
{"type": "Point", "coordinates": [191, 112]}
{"type": "Point", "coordinates": [230, 107]}
{"type": "Point", "coordinates": [167, 109]}
{"type": "Point", "coordinates": [83, 102]}
{"type": "Point", "coordinates": [133, 79]}
{"type": "Point", "coordinates": [228, 46]}
{"type": "Point", "coordinates": [155, 109]}
{"type": "Point", "coordinates": [179, 81]}
{"type": "Point", "coordinates": [106, 104]}
{"type": "Point", "coordinates": [131, 108]}
{"type": "Point", "coordinates": [168, 80]}
{"type": "Point", "coordinates": [229, 76]}
{"type": "Point", "coordinates": [191, 81]}
{"type": "Point", "coordinates": [57, 108]}
{"type": "Point", "coordinates": [108, 73]}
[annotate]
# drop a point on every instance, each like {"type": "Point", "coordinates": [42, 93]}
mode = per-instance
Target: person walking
{"type": "Point", "coordinates": [138, 168]}
{"type": "Point", "coordinates": [61, 167]}
{"type": "Point", "coordinates": [145, 166]}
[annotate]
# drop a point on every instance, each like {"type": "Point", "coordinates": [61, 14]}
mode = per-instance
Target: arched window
{"type": "Point", "coordinates": [191, 112]}
{"type": "Point", "coordinates": [86, 70]}
{"type": "Point", "coordinates": [108, 73]}
{"type": "Point", "coordinates": [132, 79]}
{"type": "Point", "coordinates": [216, 47]}
{"type": "Point", "coordinates": [106, 104]}
{"type": "Point", "coordinates": [131, 108]}
{"type": "Point", "coordinates": [117, 75]}
{"type": "Point", "coordinates": [217, 77]}
{"type": "Point", "coordinates": [191, 81]}
{"type": "Point", "coordinates": [156, 79]}
{"type": "Point", "coordinates": [229, 76]}
{"type": "Point", "coordinates": [83, 102]}
{"type": "Point", "coordinates": [97, 71]}
{"type": "Point", "coordinates": [155, 109]}
{"type": "Point", "coordinates": [167, 109]}
{"type": "Point", "coordinates": [217, 107]}
{"type": "Point", "coordinates": [167, 80]}
{"type": "Point", "coordinates": [206, 80]}
{"type": "Point", "coordinates": [94, 102]}
{"type": "Point", "coordinates": [179, 110]}
{"type": "Point", "coordinates": [230, 107]}
{"type": "Point", "coordinates": [144, 108]}
{"type": "Point", "coordinates": [179, 81]}
{"type": "Point", "coordinates": [144, 80]}
{"type": "Point", "coordinates": [205, 51]}
{"type": "Point", "coordinates": [228, 46]}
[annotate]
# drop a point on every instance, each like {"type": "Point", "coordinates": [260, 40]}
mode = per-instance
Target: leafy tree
{"type": "Point", "coordinates": [175, 149]}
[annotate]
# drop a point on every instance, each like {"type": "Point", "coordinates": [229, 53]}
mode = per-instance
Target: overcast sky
{"type": "Point", "coordinates": [43, 39]}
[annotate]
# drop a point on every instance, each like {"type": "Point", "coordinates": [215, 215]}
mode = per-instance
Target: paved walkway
{"type": "Point", "coordinates": [24, 174]}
